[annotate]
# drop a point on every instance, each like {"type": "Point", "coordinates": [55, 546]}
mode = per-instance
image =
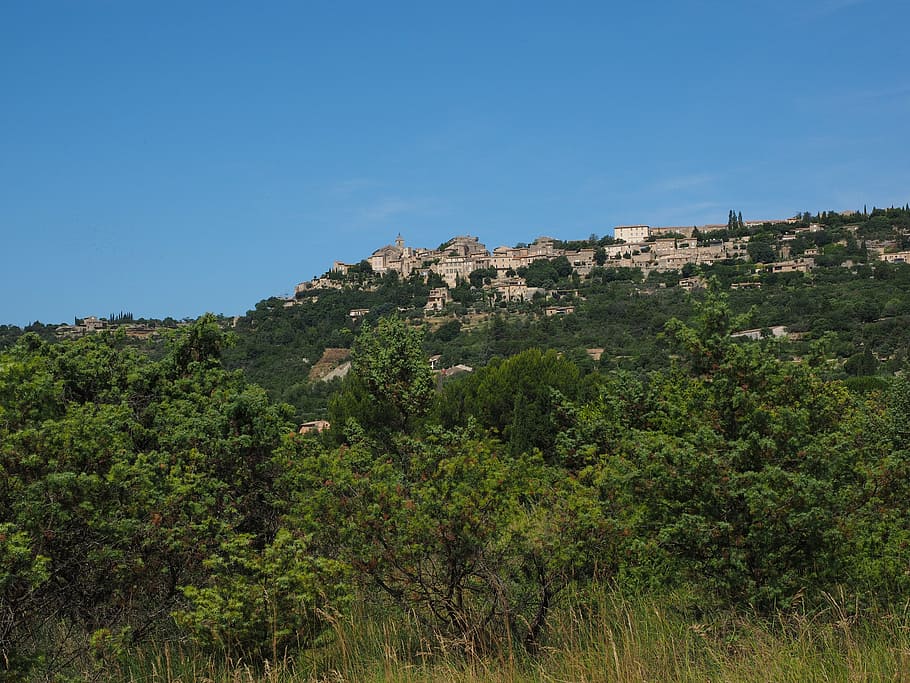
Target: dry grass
{"type": "Point", "coordinates": [608, 637]}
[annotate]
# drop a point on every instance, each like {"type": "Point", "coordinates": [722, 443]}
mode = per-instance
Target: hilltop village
{"type": "Point", "coordinates": [650, 249]}
{"type": "Point", "coordinates": [658, 256]}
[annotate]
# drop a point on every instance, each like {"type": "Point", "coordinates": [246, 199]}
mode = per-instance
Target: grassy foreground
{"type": "Point", "coordinates": [607, 638]}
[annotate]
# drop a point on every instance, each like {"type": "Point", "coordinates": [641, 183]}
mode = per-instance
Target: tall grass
{"type": "Point", "coordinates": [595, 636]}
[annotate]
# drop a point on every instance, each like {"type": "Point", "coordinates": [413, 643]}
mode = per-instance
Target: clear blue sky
{"type": "Point", "coordinates": [169, 158]}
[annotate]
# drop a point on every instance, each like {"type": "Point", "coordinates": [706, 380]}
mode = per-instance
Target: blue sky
{"type": "Point", "coordinates": [172, 158]}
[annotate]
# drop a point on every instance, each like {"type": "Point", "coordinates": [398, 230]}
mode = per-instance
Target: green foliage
{"type": "Point", "coordinates": [391, 385]}
{"type": "Point", "coordinates": [862, 363]}
{"type": "Point", "coordinates": [126, 478]}
{"type": "Point", "coordinates": [162, 496]}
{"type": "Point", "coordinates": [705, 343]}
{"type": "Point", "coordinates": [760, 249]}
{"type": "Point", "coordinates": [727, 480]}
{"type": "Point", "coordinates": [516, 398]}
{"type": "Point", "coordinates": [448, 331]}
{"type": "Point", "coordinates": [562, 266]}
{"type": "Point", "coordinates": [617, 310]}
{"type": "Point", "coordinates": [22, 573]}
{"type": "Point", "coordinates": [482, 276]}
{"type": "Point", "coordinates": [453, 529]}
{"type": "Point", "coordinates": [464, 293]}
{"type": "Point", "coordinates": [898, 409]}
{"type": "Point", "coordinates": [541, 273]}
{"type": "Point", "coordinates": [277, 345]}
{"type": "Point", "coordinates": [202, 342]}
{"type": "Point", "coordinates": [878, 531]}
{"type": "Point", "coordinates": [262, 603]}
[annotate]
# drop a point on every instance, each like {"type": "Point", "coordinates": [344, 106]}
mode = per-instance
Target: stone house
{"type": "Point", "coordinates": [437, 299]}
{"type": "Point", "coordinates": [632, 233]}
{"type": "Point", "coordinates": [314, 426]}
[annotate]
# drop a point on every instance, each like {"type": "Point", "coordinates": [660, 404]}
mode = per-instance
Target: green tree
{"type": "Point", "coordinates": [719, 472]}
{"type": "Point", "coordinates": [263, 602]}
{"type": "Point", "coordinates": [463, 293]}
{"type": "Point", "coordinates": [517, 397]}
{"type": "Point", "coordinates": [477, 544]}
{"type": "Point", "coordinates": [863, 363]}
{"type": "Point", "coordinates": [877, 525]}
{"type": "Point", "coordinates": [124, 478]}
{"type": "Point", "coordinates": [478, 278]}
{"type": "Point", "coordinates": [390, 386]}
{"type": "Point", "coordinates": [541, 273]}
{"type": "Point", "coordinates": [562, 266]}
{"type": "Point", "coordinates": [761, 251]}
{"type": "Point", "coordinates": [202, 342]}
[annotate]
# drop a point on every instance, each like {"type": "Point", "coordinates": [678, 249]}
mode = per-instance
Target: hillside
{"type": "Point", "coordinates": [852, 307]}
{"type": "Point", "coordinates": [847, 300]}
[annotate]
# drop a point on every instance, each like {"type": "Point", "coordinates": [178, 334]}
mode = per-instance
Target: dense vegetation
{"type": "Point", "coordinates": [151, 501]}
{"type": "Point", "coordinates": [157, 501]}
{"type": "Point", "coordinates": [852, 309]}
